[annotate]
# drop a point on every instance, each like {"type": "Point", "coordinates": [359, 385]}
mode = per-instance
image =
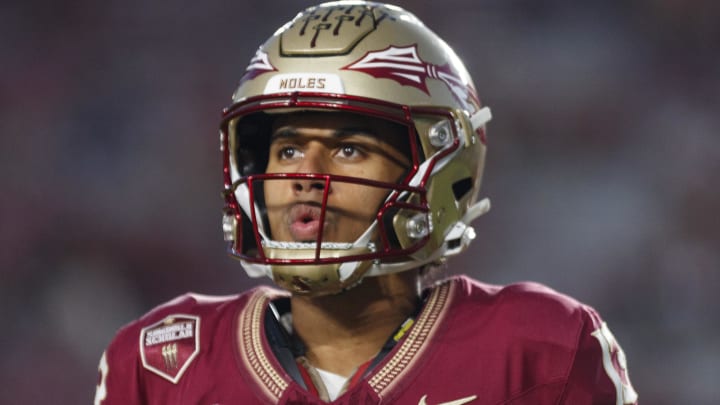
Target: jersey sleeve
{"type": "Point", "coordinates": [119, 372]}
{"type": "Point", "coordinates": [599, 373]}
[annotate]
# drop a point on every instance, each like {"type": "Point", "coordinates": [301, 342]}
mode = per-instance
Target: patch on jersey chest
{"type": "Point", "coordinates": [168, 347]}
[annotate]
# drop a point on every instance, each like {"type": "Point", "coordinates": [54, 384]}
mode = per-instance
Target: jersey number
{"type": "Point", "coordinates": [615, 365]}
{"type": "Point", "coordinates": [101, 390]}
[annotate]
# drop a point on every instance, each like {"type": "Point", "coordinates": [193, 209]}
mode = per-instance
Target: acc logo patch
{"type": "Point", "coordinates": [168, 347]}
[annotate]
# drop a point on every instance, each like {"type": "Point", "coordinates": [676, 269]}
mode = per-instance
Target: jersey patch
{"type": "Point", "coordinates": [168, 347]}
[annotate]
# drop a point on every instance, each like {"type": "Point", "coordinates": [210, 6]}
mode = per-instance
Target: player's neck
{"type": "Point", "coordinates": [343, 331]}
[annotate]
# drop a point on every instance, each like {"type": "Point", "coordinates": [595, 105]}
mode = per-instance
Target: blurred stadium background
{"type": "Point", "coordinates": [602, 156]}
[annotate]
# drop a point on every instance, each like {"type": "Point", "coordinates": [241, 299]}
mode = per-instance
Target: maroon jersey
{"type": "Point", "coordinates": [472, 343]}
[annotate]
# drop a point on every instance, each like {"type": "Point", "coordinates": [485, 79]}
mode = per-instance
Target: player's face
{"type": "Point", "coordinates": [330, 143]}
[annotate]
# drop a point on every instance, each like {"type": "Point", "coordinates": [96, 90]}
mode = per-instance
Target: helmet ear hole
{"type": "Point", "coordinates": [461, 188]}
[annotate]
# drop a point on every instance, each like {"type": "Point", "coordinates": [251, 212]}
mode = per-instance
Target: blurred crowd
{"type": "Point", "coordinates": [602, 152]}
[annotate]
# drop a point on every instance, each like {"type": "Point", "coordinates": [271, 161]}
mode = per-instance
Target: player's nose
{"type": "Point", "coordinates": [313, 162]}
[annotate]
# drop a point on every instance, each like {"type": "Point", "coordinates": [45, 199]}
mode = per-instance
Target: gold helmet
{"type": "Point", "coordinates": [363, 58]}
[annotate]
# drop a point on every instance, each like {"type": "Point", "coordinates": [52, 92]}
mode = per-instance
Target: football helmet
{"type": "Point", "coordinates": [380, 61]}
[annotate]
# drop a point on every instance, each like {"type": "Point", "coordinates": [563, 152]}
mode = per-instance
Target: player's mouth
{"type": "Point", "coordinates": [305, 222]}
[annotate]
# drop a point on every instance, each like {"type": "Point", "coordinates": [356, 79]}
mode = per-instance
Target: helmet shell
{"type": "Point", "coordinates": [374, 59]}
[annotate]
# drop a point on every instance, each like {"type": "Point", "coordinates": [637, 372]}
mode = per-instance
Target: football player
{"type": "Point", "coordinates": [353, 156]}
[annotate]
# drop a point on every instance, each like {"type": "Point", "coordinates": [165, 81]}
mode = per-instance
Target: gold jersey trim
{"type": "Point", "coordinates": [412, 348]}
{"type": "Point", "coordinates": [252, 351]}
{"type": "Point", "coordinates": [273, 382]}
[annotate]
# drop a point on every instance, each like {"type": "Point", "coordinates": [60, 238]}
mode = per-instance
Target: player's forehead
{"type": "Point", "coordinates": [316, 122]}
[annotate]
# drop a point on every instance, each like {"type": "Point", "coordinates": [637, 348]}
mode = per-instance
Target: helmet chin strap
{"type": "Point", "coordinates": [460, 232]}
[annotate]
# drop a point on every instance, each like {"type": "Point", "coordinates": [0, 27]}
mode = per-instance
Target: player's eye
{"type": "Point", "coordinates": [288, 152]}
{"type": "Point", "coordinates": [350, 151]}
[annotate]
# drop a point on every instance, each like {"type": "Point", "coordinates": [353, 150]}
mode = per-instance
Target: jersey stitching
{"type": "Point", "coordinates": [578, 339]}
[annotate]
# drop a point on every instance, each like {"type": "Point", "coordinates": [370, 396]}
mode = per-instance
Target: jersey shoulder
{"type": "Point", "coordinates": [205, 312]}
{"type": "Point", "coordinates": [178, 321]}
{"type": "Point", "coordinates": [523, 302]}
{"type": "Point", "coordinates": [188, 305]}
{"type": "Point", "coordinates": [553, 337]}
{"type": "Point", "coordinates": [169, 344]}
{"type": "Point", "coordinates": [522, 321]}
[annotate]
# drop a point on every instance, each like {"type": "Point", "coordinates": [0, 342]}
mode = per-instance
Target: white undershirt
{"type": "Point", "coordinates": [333, 382]}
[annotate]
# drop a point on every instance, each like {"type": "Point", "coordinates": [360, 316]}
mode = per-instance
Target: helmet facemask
{"type": "Point", "coordinates": [398, 222]}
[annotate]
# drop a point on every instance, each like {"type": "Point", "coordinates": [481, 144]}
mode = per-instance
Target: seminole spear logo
{"type": "Point", "coordinates": [403, 65]}
{"type": "Point", "coordinates": [259, 64]}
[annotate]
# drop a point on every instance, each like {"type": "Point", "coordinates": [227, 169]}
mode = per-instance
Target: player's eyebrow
{"type": "Point", "coordinates": [283, 133]}
{"type": "Point", "coordinates": [288, 132]}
